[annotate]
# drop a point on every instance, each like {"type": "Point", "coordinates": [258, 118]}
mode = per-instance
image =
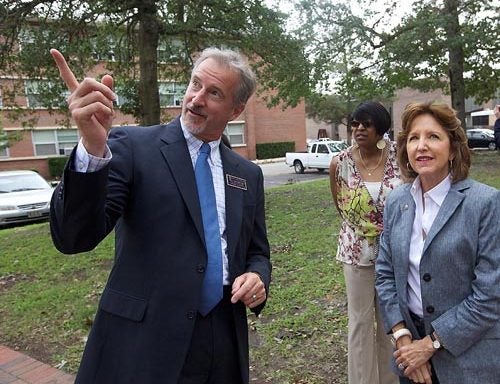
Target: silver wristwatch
{"type": "Point", "coordinates": [436, 344]}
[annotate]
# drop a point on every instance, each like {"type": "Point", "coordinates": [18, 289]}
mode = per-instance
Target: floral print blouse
{"type": "Point", "coordinates": [361, 214]}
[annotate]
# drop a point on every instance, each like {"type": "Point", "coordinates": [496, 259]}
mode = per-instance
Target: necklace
{"type": "Point", "coordinates": [370, 170]}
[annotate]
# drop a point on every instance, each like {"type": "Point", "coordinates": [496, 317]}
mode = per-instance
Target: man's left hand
{"type": "Point", "coordinates": [249, 289]}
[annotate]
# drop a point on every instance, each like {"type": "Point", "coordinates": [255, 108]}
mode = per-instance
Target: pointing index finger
{"type": "Point", "coordinates": [64, 70]}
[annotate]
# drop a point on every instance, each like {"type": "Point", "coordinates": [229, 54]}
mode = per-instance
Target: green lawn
{"type": "Point", "coordinates": [47, 300]}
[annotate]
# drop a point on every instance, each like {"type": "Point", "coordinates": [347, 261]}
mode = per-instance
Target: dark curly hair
{"type": "Point", "coordinates": [447, 119]}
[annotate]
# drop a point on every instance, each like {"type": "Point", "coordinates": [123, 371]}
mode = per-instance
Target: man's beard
{"type": "Point", "coordinates": [190, 127]}
{"type": "Point", "coordinates": [194, 130]}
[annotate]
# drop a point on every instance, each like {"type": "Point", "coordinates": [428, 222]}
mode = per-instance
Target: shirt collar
{"type": "Point", "coordinates": [194, 144]}
{"type": "Point", "coordinates": [436, 194]}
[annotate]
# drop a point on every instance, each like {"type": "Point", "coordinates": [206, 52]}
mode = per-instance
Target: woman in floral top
{"type": "Point", "coordinates": [361, 177]}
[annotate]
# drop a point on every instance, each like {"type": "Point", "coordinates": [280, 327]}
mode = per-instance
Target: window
{"type": "Point", "coordinates": [235, 132]}
{"type": "Point", "coordinates": [66, 140]}
{"type": "Point", "coordinates": [121, 97]}
{"type": "Point", "coordinates": [33, 90]}
{"type": "Point", "coordinates": [103, 49]}
{"type": "Point", "coordinates": [54, 142]}
{"type": "Point", "coordinates": [322, 149]}
{"type": "Point", "coordinates": [480, 120]}
{"type": "Point", "coordinates": [4, 149]}
{"type": "Point", "coordinates": [36, 91]}
{"type": "Point", "coordinates": [4, 141]}
{"type": "Point", "coordinates": [170, 51]}
{"type": "Point", "coordinates": [171, 93]}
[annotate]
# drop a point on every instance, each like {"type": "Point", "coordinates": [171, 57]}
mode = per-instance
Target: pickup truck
{"type": "Point", "coordinates": [319, 154]}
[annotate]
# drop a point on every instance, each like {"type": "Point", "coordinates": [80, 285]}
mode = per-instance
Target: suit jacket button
{"type": "Point", "coordinates": [426, 277]}
{"type": "Point", "coordinates": [430, 309]}
{"type": "Point", "coordinates": [200, 268]}
{"type": "Point", "coordinates": [191, 315]}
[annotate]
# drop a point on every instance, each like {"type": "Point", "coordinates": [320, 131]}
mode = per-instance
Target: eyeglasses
{"type": "Point", "coordinates": [367, 124]}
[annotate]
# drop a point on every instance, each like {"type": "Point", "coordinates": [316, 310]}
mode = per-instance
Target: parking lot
{"type": "Point", "coordinates": [278, 173]}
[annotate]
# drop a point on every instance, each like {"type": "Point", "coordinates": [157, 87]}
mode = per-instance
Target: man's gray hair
{"type": "Point", "coordinates": [233, 61]}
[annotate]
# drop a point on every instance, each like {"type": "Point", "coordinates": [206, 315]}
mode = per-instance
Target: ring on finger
{"type": "Point", "coordinates": [401, 366]}
{"type": "Point", "coordinates": [254, 297]}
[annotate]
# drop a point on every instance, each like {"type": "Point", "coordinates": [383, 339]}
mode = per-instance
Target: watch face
{"type": "Point", "coordinates": [436, 344]}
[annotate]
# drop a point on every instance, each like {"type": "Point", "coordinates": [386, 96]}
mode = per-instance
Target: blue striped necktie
{"type": "Point", "coordinates": [211, 292]}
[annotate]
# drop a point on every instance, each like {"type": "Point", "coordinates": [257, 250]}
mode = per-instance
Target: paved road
{"type": "Point", "coordinates": [278, 173]}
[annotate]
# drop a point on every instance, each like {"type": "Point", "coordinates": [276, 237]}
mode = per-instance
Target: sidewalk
{"type": "Point", "coordinates": [267, 161]}
{"type": "Point", "coordinates": [16, 368]}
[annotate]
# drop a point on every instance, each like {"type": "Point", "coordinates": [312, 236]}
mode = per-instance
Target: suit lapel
{"type": "Point", "coordinates": [407, 209]}
{"type": "Point", "coordinates": [234, 197]}
{"type": "Point", "coordinates": [176, 154]}
{"type": "Point", "coordinates": [450, 204]}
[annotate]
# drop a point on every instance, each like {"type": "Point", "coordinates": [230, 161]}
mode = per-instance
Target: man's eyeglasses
{"type": "Point", "coordinates": [367, 124]}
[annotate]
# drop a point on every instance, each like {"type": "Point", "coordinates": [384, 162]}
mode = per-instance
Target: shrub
{"type": "Point", "coordinates": [56, 166]}
{"type": "Point", "coordinates": [273, 150]}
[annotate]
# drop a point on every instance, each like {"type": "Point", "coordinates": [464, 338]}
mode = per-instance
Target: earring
{"type": "Point", "coordinates": [381, 144]}
{"type": "Point", "coordinates": [408, 167]}
{"type": "Point", "coordinates": [451, 164]}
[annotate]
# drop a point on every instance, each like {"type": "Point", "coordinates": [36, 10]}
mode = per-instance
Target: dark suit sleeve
{"type": "Point", "coordinates": [258, 255]}
{"type": "Point", "coordinates": [83, 211]}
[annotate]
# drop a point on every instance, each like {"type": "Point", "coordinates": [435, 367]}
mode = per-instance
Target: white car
{"type": "Point", "coordinates": [318, 155]}
{"type": "Point", "coordinates": [24, 197]}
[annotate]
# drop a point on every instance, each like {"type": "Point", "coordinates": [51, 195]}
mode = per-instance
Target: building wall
{"type": "Point", "coordinates": [408, 95]}
{"type": "Point", "coordinates": [313, 126]}
{"type": "Point", "coordinates": [262, 125]}
{"type": "Point", "coordinates": [275, 125]}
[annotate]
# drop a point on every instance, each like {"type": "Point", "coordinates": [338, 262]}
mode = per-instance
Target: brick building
{"type": "Point", "coordinates": [477, 115]}
{"type": "Point", "coordinates": [48, 137]}
{"type": "Point", "coordinates": [405, 96]}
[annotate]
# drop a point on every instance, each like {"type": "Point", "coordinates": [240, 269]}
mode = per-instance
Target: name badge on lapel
{"type": "Point", "coordinates": [236, 182]}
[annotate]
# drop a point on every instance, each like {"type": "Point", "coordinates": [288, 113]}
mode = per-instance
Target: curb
{"type": "Point", "coordinates": [267, 161]}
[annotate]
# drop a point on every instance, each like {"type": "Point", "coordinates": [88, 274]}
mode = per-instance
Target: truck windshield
{"type": "Point", "coordinates": [337, 147]}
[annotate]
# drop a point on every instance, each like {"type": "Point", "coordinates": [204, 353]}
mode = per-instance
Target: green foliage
{"type": "Point", "coordinates": [3, 136]}
{"type": "Point", "coordinates": [7, 138]}
{"type": "Point", "coordinates": [274, 150]}
{"type": "Point", "coordinates": [332, 109]}
{"type": "Point", "coordinates": [367, 58]}
{"type": "Point", "coordinates": [140, 45]}
{"type": "Point", "coordinates": [56, 166]}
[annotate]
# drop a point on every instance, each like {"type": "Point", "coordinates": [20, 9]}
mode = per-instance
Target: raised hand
{"type": "Point", "coordinates": [90, 104]}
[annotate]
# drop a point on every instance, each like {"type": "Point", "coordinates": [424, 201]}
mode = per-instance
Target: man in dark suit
{"type": "Point", "coordinates": [153, 324]}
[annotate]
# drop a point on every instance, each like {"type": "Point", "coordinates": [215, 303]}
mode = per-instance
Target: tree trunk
{"type": "Point", "coordinates": [456, 58]}
{"type": "Point", "coordinates": [149, 104]}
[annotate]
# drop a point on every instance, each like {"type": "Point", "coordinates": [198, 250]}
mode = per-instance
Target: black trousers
{"type": "Point", "coordinates": [419, 324]}
{"type": "Point", "coordinates": [213, 354]}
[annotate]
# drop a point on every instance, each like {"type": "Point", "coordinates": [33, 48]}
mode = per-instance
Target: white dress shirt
{"type": "Point", "coordinates": [215, 162]}
{"type": "Point", "coordinates": [427, 206]}
{"type": "Point", "coordinates": [85, 162]}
